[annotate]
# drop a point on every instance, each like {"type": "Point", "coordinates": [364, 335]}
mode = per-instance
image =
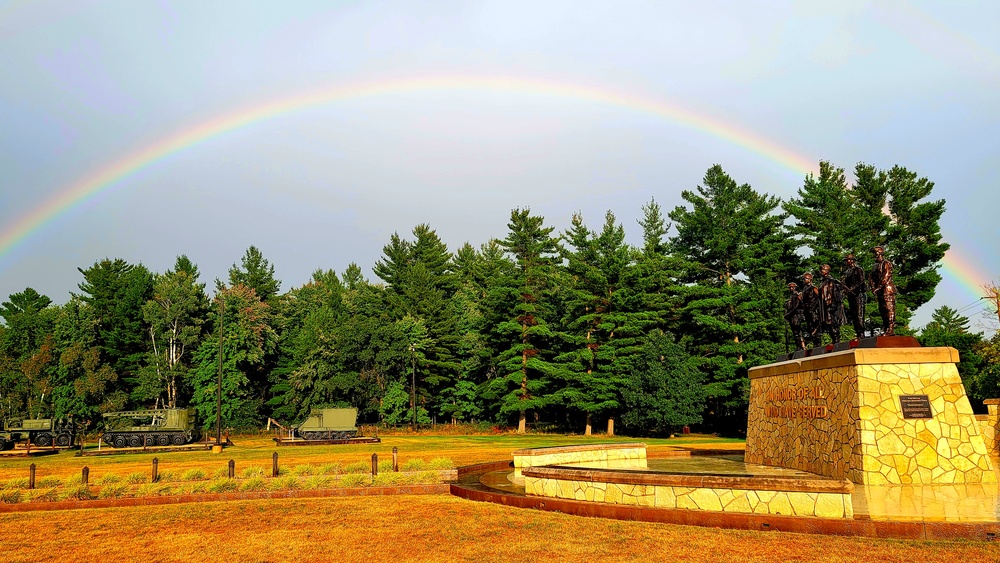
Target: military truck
{"type": "Point", "coordinates": [38, 432]}
{"type": "Point", "coordinates": [150, 427]}
{"type": "Point", "coordinates": [329, 424]}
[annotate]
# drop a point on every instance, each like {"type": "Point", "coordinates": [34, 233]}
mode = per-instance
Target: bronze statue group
{"type": "Point", "coordinates": [818, 309]}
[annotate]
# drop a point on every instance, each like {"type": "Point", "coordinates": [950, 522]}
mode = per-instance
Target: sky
{"type": "Point", "coordinates": [314, 130]}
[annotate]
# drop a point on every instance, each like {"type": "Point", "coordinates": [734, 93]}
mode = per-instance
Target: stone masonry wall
{"type": "Point", "coordinates": [839, 415]}
{"type": "Point", "coordinates": [620, 455]}
{"type": "Point", "coordinates": [821, 504]}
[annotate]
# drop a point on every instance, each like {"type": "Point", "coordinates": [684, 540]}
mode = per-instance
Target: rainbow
{"type": "Point", "coordinates": [86, 188]}
{"type": "Point", "coordinates": [965, 273]}
{"type": "Point", "coordinates": [89, 186]}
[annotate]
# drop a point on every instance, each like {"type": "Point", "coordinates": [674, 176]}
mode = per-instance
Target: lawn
{"type": "Point", "coordinates": [397, 528]}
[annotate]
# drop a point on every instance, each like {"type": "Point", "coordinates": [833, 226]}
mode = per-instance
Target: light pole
{"type": "Point", "coordinates": [218, 406]}
{"type": "Point", "coordinates": [413, 385]}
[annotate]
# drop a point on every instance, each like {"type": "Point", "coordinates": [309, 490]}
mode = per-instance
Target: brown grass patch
{"type": "Point", "coordinates": [420, 528]}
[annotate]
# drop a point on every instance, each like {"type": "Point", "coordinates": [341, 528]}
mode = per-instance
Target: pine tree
{"type": "Point", "coordinates": [735, 249]}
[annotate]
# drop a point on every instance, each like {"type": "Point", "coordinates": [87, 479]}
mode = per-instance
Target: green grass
{"type": "Point", "coordinates": [114, 490]}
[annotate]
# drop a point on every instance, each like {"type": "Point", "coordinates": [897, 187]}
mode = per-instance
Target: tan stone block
{"type": "Point", "coordinates": [614, 494]}
{"type": "Point", "coordinates": [927, 457]}
{"type": "Point", "coordinates": [739, 503]}
{"type": "Point", "coordinates": [780, 505]}
{"type": "Point", "coordinates": [567, 489]}
{"type": "Point", "coordinates": [963, 463]}
{"type": "Point", "coordinates": [830, 505]}
{"type": "Point", "coordinates": [706, 499]}
{"type": "Point", "coordinates": [889, 419]}
{"type": "Point", "coordinates": [891, 444]}
{"type": "Point", "coordinates": [867, 413]}
{"type": "Point", "coordinates": [803, 504]}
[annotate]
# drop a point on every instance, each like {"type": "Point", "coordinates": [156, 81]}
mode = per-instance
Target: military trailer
{"type": "Point", "coordinates": [38, 431]}
{"type": "Point", "coordinates": [150, 427]}
{"type": "Point", "coordinates": [329, 424]}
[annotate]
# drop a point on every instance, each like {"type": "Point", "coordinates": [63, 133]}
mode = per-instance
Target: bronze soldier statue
{"type": "Point", "coordinates": [811, 308]}
{"type": "Point", "coordinates": [831, 311]}
{"type": "Point", "coordinates": [884, 290]}
{"type": "Point", "coordinates": [795, 315]}
{"type": "Point", "coordinates": [856, 289]}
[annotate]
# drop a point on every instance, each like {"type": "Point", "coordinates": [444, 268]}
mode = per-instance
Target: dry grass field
{"type": "Point", "coordinates": [399, 528]}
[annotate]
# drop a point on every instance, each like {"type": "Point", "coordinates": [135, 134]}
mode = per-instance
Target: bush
{"type": "Point", "coordinates": [166, 476]}
{"type": "Point", "coordinates": [10, 496]}
{"type": "Point", "coordinates": [330, 468]}
{"type": "Point", "coordinates": [81, 492]}
{"type": "Point", "coordinates": [193, 475]}
{"type": "Point", "coordinates": [221, 473]}
{"type": "Point", "coordinates": [358, 467]}
{"type": "Point", "coordinates": [74, 479]}
{"type": "Point", "coordinates": [303, 470]}
{"type": "Point", "coordinates": [223, 485]}
{"type": "Point", "coordinates": [441, 463]}
{"type": "Point", "coordinates": [355, 480]}
{"type": "Point", "coordinates": [254, 483]}
{"type": "Point", "coordinates": [48, 495]}
{"type": "Point", "coordinates": [113, 490]}
{"type": "Point", "coordinates": [415, 464]}
{"type": "Point", "coordinates": [51, 481]}
{"type": "Point", "coordinates": [318, 482]}
{"type": "Point", "coordinates": [287, 483]}
{"type": "Point", "coordinates": [16, 483]}
{"type": "Point", "coordinates": [137, 478]}
{"type": "Point", "coordinates": [252, 471]}
{"type": "Point", "coordinates": [152, 489]}
{"type": "Point", "coordinates": [108, 478]}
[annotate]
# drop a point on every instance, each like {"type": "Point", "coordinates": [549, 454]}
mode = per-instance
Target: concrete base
{"type": "Point", "coordinates": [840, 415]}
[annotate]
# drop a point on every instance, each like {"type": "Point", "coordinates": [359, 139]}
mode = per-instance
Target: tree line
{"type": "Point", "coordinates": [535, 327]}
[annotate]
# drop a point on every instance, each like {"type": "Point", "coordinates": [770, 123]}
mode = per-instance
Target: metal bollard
{"type": "Point", "coordinates": [232, 468]}
{"type": "Point", "coordinates": [374, 465]}
{"type": "Point", "coordinates": [274, 464]}
{"type": "Point", "coordinates": [395, 459]}
{"type": "Point", "coordinates": [31, 476]}
{"type": "Point", "coordinates": [156, 473]}
{"type": "Point", "coordinates": [85, 476]}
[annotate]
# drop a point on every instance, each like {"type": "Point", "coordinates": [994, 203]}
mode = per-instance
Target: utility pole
{"type": "Point", "coordinates": [218, 406]}
{"type": "Point", "coordinates": [413, 386]}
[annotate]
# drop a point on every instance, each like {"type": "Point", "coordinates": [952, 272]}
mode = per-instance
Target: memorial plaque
{"type": "Point", "coordinates": [915, 406]}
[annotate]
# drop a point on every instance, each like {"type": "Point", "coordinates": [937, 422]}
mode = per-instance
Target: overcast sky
{"type": "Point", "coordinates": [453, 113]}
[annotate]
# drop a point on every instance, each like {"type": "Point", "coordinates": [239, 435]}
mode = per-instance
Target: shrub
{"type": "Point", "coordinates": [37, 495]}
{"type": "Point", "coordinates": [74, 479]}
{"type": "Point", "coordinates": [355, 480]}
{"type": "Point", "coordinates": [330, 468]}
{"type": "Point", "coordinates": [441, 463]}
{"type": "Point", "coordinates": [254, 483]}
{"type": "Point", "coordinates": [51, 481]}
{"type": "Point", "coordinates": [303, 470]}
{"type": "Point", "coordinates": [415, 464]}
{"type": "Point", "coordinates": [151, 489]}
{"type": "Point", "coordinates": [358, 467]}
{"type": "Point", "coordinates": [113, 490]}
{"type": "Point", "coordinates": [80, 492]}
{"type": "Point", "coordinates": [221, 473]}
{"type": "Point", "coordinates": [195, 488]}
{"type": "Point", "coordinates": [166, 476]}
{"type": "Point", "coordinates": [16, 483]}
{"type": "Point", "coordinates": [137, 478]}
{"type": "Point", "coordinates": [10, 496]}
{"type": "Point", "coordinates": [108, 478]}
{"type": "Point", "coordinates": [252, 471]}
{"type": "Point", "coordinates": [223, 485]}
{"type": "Point", "coordinates": [318, 482]}
{"type": "Point", "coordinates": [287, 483]}
{"type": "Point", "coordinates": [193, 475]}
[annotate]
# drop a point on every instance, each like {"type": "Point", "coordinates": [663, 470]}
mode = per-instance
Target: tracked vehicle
{"type": "Point", "coordinates": [38, 431]}
{"type": "Point", "coordinates": [150, 427]}
{"type": "Point", "coordinates": [329, 424]}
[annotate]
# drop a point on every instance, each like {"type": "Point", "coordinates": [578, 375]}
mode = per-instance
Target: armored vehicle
{"type": "Point", "coordinates": [150, 427]}
{"type": "Point", "coordinates": [329, 424]}
{"type": "Point", "coordinates": [38, 431]}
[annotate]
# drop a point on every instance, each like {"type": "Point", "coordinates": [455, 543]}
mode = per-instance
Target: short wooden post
{"type": "Point", "coordinates": [274, 464]}
{"type": "Point", "coordinates": [156, 472]}
{"type": "Point", "coordinates": [374, 465]}
{"type": "Point", "coordinates": [31, 476]}
{"type": "Point", "coordinates": [85, 476]}
{"type": "Point", "coordinates": [395, 459]}
{"type": "Point", "coordinates": [232, 468]}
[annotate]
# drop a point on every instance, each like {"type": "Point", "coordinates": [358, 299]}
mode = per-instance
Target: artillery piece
{"type": "Point", "coordinates": [150, 427]}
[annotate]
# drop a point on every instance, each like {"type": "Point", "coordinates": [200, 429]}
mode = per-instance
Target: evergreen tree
{"type": "Point", "coordinates": [948, 328]}
{"type": "Point", "coordinates": [115, 293]}
{"type": "Point", "coordinates": [525, 366]}
{"type": "Point", "coordinates": [256, 273]}
{"type": "Point", "coordinates": [733, 243]}
{"type": "Point", "coordinates": [666, 390]}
